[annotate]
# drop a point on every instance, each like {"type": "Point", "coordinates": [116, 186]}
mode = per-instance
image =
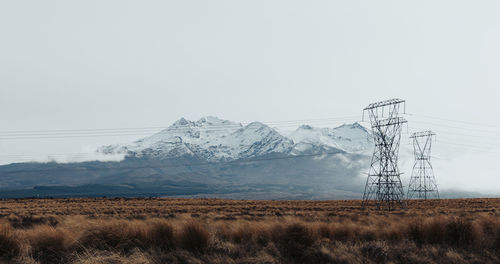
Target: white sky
{"type": "Point", "coordinates": [108, 64]}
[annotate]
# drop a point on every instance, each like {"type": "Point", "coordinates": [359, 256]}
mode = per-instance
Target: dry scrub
{"type": "Point", "coordinates": [213, 231]}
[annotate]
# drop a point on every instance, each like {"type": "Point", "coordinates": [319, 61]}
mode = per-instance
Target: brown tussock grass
{"type": "Point", "coordinates": [10, 245]}
{"type": "Point", "coordinates": [242, 232]}
{"type": "Point", "coordinates": [194, 237]}
{"type": "Point", "coordinates": [48, 244]}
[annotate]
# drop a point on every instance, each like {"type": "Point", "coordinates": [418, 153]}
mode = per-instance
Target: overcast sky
{"type": "Point", "coordinates": [108, 64]}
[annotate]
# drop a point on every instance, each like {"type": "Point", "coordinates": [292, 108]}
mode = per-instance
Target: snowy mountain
{"type": "Point", "coordinates": [213, 139]}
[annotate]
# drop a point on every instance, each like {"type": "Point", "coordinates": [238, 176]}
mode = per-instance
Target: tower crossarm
{"type": "Point", "coordinates": [390, 122]}
{"type": "Point", "coordinates": [384, 103]}
{"type": "Point", "coordinates": [422, 134]}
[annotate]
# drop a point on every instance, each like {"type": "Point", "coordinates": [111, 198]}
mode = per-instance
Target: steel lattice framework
{"type": "Point", "coordinates": [383, 185]}
{"type": "Point", "coordinates": [422, 183]}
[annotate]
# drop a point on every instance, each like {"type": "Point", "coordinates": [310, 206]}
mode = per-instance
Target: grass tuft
{"type": "Point", "coordinates": [194, 237]}
{"type": "Point", "coordinates": [10, 245]}
{"type": "Point", "coordinates": [48, 244]}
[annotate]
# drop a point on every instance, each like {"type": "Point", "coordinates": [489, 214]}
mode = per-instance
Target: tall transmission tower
{"type": "Point", "coordinates": [383, 185]}
{"type": "Point", "coordinates": [422, 183]}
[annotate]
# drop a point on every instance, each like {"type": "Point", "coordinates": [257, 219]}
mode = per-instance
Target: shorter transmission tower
{"type": "Point", "coordinates": [422, 183]}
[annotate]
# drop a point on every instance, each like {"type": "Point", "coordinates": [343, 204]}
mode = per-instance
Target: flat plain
{"type": "Point", "coordinates": [169, 230]}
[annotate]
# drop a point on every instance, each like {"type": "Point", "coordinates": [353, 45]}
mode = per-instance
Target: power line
{"type": "Point", "coordinates": [74, 133]}
{"type": "Point", "coordinates": [473, 139]}
{"type": "Point", "coordinates": [482, 148]}
{"type": "Point", "coordinates": [270, 123]}
{"type": "Point", "coordinates": [456, 127]}
{"type": "Point", "coordinates": [446, 134]}
{"type": "Point", "coordinates": [453, 120]}
{"type": "Point", "coordinates": [53, 134]}
{"type": "Point", "coordinates": [140, 131]}
{"type": "Point", "coordinates": [453, 133]}
{"type": "Point", "coordinates": [442, 139]}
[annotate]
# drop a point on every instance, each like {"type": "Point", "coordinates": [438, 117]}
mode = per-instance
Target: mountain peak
{"type": "Point", "coordinates": [257, 125]}
{"type": "Point", "coordinates": [255, 130]}
{"type": "Point", "coordinates": [213, 120]}
{"type": "Point", "coordinates": [355, 125]}
{"type": "Point", "coordinates": [182, 122]}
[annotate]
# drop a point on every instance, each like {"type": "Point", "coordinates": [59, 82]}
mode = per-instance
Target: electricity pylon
{"type": "Point", "coordinates": [422, 183]}
{"type": "Point", "coordinates": [383, 185]}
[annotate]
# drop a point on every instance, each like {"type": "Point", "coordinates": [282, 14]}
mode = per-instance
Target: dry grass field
{"type": "Point", "coordinates": [231, 231]}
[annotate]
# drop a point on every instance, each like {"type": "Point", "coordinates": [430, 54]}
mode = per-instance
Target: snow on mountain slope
{"type": "Point", "coordinates": [349, 138]}
{"type": "Point", "coordinates": [209, 138]}
{"type": "Point", "coordinates": [257, 139]}
{"type": "Point", "coordinates": [214, 139]}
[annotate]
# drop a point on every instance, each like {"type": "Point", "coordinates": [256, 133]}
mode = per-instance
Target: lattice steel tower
{"type": "Point", "coordinates": [422, 183]}
{"type": "Point", "coordinates": [383, 185]}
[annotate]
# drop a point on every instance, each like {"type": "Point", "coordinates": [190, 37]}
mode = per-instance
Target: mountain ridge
{"type": "Point", "coordinates": [214, 139]}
